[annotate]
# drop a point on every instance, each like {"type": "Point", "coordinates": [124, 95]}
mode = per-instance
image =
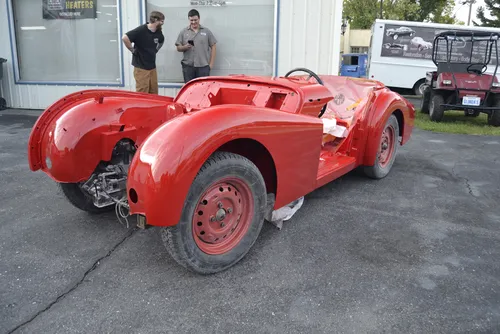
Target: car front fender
{"type": "Point", "coordinates": [165, 166]}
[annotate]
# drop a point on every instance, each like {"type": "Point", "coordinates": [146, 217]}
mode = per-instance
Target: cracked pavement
{"type": "Point", "coordinates": [415, 252]}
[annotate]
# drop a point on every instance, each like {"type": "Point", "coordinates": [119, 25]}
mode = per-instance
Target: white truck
{"type": "Point", "coordinates": [400, 52]}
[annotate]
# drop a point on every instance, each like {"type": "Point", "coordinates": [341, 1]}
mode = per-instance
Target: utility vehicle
{"type": "Point", "coordinates": [460, 82]}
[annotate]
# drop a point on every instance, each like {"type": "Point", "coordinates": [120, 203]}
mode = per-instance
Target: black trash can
{"type": "Point", "coordinates": [3, 103]}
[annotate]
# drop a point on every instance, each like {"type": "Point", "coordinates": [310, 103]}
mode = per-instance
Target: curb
{"type": "Point", "coordinates": [21, 112]}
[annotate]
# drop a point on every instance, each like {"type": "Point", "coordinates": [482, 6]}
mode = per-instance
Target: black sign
{"type": "Point", "coordinates": [69, 9]}
{"type": "Point", "coordinates": [417, 43]}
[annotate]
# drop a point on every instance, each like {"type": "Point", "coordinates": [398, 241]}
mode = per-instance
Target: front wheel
{"type": "Point", "coordinates": [387, 151]}
{"type": "Point", "coordinates": [436, 110]}
{"type": "Point", "coordinates": [222, 215]}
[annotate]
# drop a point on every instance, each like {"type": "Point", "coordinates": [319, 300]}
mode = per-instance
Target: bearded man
{"type": "Point", "coordinates": [147, 39]}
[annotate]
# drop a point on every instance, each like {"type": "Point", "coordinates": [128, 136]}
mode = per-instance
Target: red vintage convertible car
{"type": "Point", "coordinates": [210, 165]}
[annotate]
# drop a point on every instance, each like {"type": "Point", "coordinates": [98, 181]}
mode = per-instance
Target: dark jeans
{"type": "Point", "coordinates": [191, 72]}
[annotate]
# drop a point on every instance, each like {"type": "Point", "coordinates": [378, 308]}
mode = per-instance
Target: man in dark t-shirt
{"type": "Point", "coordinates": [148, 39]}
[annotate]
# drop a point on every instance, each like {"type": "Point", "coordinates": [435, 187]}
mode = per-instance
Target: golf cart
{"type": "Point", "coordinates": [460, 82]}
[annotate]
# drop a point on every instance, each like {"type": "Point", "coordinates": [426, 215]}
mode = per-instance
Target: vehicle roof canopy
{"type": "Point", "coordinates": [465, 33]}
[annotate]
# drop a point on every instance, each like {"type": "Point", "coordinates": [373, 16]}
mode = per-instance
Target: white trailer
{"type": "Point", "coordinates": [401, 52]}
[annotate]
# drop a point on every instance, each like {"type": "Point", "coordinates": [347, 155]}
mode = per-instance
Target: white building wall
{"type": "Point", "coordinates": [308, 36]}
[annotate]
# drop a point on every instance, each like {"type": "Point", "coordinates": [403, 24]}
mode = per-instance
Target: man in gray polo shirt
{"type": "Point", "coordinates": [199, 47]}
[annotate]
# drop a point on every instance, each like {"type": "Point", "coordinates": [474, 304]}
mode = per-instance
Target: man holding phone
{"type": "Point", "coordinates": [199, 46]}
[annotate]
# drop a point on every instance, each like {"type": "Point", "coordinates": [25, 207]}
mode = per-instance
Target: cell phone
{"type": "Point", "coordinates": [191, 42]}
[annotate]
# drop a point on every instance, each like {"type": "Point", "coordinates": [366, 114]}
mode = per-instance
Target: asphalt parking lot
{"type": "Point", "coordinates": [415, 252]}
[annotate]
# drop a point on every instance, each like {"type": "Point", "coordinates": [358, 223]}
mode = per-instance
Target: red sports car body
{"type": "Point", "coordinates": [210, 164]}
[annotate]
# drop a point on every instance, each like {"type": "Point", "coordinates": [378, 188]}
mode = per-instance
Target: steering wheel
{"type": "Point", "coordinates": [477, 71]}
{"type": "Point", "coordinates": [308, 71]}
{"type": "Point", "coordinates": [311, 74]}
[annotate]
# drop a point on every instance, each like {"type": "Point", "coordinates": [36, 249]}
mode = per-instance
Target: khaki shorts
{"type": "Point", "coordinates": [146, 81]}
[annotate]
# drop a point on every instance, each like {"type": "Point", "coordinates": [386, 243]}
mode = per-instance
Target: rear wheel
{"type": "Point", "coordinates": [494, 118]}
{"type": "Point", "coordinates": [222, 215]}
{"type": "Point", "coordinates": [436, 110]}
{"type": "Point", "coordinates": [419, 87]}
{"type": "Point", "coordinates": [76, 196]}
{"type": "Point", "coordinates": [387, 150]}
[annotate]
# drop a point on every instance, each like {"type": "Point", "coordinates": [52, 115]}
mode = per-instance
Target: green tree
{"type": "Point", "coordinates": [493, 7]}
{"type": "Point", "coordinates": [406, 10]}
{"type": "Point", "coordinates": [437, 11]}
{"type": "Point", "coordinates": [362, 13]}
{"type": "Point", "coordinates": [444, 14]}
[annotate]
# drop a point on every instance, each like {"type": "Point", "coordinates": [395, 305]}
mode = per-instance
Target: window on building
{"type": "Point", "coordinates": [59, 41]}
{"type": "Point", "coordinates": [359, 49]}
{"type": "Point", "coordinates": [244, 30]}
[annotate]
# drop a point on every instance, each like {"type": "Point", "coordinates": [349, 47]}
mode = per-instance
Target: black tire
{"type": "Point", "coordinates": [494, 118]}
{"type": "Point", "coordinates": [180, 240]}
{"type": "Point", "coordinates": [426, 100]}
{"type": "Point", "coordinates": [378, 170]}
{"type": "Point", "coordinates": [81, 200]}
{"type": "Point", "coordinates": [436, 110]}
{"type": "Point", "coordinates": [3, 103]}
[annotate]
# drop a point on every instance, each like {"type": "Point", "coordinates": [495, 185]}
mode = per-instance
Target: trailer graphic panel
{"type": "Point", "coordinates": [416, 42]}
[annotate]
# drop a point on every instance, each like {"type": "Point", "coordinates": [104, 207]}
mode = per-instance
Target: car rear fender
{"type": "Point", "coordinates": [74, 134]}
{"type": "Point", "coordinates": [165, 166]}
{"type": "Point", "coordinates": [386, 104]}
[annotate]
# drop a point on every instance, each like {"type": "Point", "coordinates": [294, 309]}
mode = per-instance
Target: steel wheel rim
{"type": "Point", "coordinates": [422, 88]}
{"type": "Point", "coordinates": [386, 146]}
{"type": "Point", "coordinates": [223, 215]}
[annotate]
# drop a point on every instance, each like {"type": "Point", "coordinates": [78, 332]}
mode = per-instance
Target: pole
{"type": "Point", "coordinates": [471, 2]}
{"type": "Point", "coordinates": [381, 9]}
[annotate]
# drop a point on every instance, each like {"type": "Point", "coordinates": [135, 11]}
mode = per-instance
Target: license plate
{"type": "Point", "coordinates": [471, 101]}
